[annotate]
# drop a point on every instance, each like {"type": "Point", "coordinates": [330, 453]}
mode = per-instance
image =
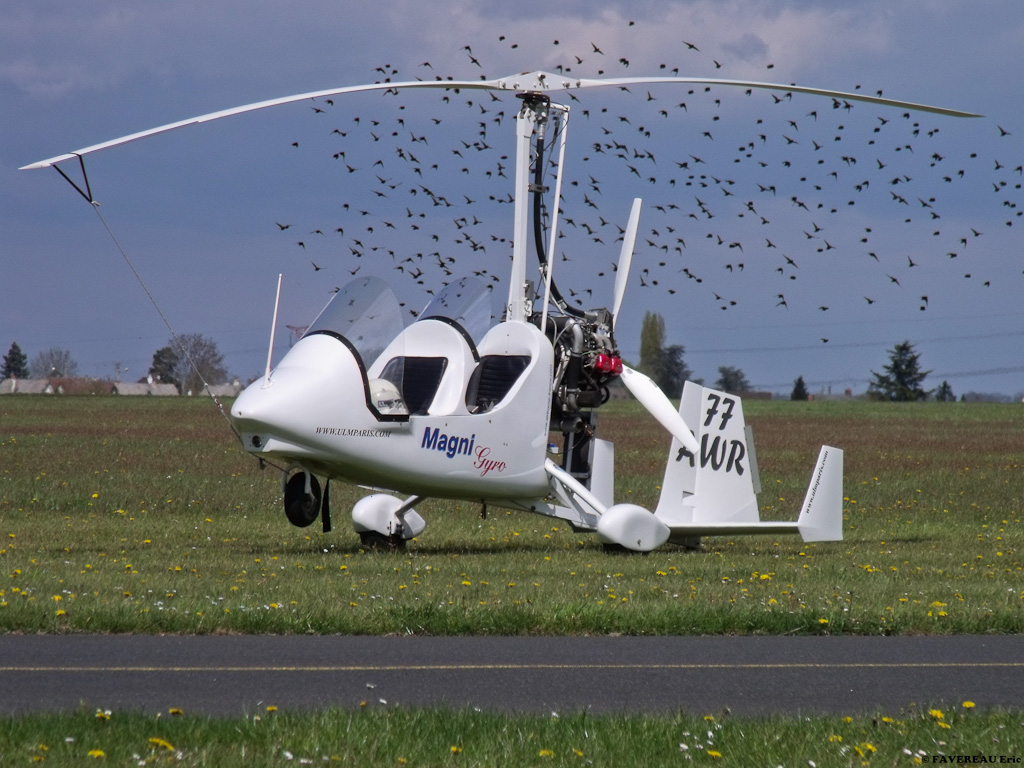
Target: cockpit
{"type": "Point", "coordinates": [453, 360]}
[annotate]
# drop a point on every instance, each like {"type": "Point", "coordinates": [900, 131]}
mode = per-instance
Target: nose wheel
{"type": "Point", "coordinates": [379, 542]}
{"type": "Point", "coordinates": [302, 508]}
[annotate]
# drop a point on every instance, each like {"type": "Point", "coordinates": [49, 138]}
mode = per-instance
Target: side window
{"type": "Point", "coordinates": [416, 378]}
{"type": "Point", "coordinates": [492, 380]}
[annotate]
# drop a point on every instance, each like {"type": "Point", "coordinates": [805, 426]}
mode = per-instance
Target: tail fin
{"type": "Point", "coordinates": [720, 483]}
{"type": "Point", "coordinates": [714, 493]}
{"type": "Point", "coordinates": [821, 517]}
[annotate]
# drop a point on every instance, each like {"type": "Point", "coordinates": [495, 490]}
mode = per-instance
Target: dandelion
{"type": "Point", "coordinates": [714, 753]}
{"type": "Point", "coordinates": [103, 714]}
{"type": "Point", "coordinates": [454, 749]}
{"type": "Point", "coordinates": [97, 753]}
{"type": "Point", "coordinates": [271, 708]}
{"type": "Point", "coordinates": [156, 741]}
{"type": "Point", "coordinates": [936, 713]}
{"type": "Point", "coordinates": [546, 753]}
{"type": "Point", "coordinates": [176, 711]}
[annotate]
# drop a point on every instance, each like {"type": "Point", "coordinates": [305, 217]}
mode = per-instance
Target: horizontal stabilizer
{"type": "Point", "coordinates": [821, 518]}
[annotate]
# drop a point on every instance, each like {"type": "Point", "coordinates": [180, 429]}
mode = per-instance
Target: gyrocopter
{"type": "Point", "coordinates": [454, 406]}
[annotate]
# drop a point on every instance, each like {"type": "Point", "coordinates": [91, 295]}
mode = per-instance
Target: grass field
{"type": "Point", "coordinates": [394, 737]}
{"type": "Point", "coordinates": [144, 515]}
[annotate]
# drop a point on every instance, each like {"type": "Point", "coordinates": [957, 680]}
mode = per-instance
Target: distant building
{"type": "Point", "coordinates": [145, 387]}
{"type": "Point", "coordinates": [223, 390]}
{"type": "Point", "coordinates": [62, 386]}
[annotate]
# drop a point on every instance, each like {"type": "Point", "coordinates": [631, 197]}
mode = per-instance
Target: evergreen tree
{"type": "Point", "coordinates": [15, 364]}
{"type": "Point", "coordinates": [672, 371]}
{"type": "Point", "coordinates": [731, 380]}
{"type": "Point", "coordinates": [944, 394]}
{"type": "Point", "coordinates": [902, 377]}
{"type": "Point", "coordinates": [165, 362]}
{"type": "Point", "coordinates": [799, 390]}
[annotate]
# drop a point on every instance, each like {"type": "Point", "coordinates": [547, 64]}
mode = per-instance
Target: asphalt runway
{"type": "Point", "coordinates": [233, 675]}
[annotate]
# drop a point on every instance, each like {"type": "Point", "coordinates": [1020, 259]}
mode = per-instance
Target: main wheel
{"type": "Point", "coordinates": [301, 508]}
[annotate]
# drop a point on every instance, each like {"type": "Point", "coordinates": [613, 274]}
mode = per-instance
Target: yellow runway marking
{"type": "Point", "coordinates": [516, 667]}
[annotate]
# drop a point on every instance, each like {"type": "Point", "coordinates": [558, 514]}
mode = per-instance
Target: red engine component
{"type": "Point", "coordinates": [609, 364]}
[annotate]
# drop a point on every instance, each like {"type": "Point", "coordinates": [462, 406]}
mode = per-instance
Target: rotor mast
{"type": "Point", "coordinates": [532, 117]}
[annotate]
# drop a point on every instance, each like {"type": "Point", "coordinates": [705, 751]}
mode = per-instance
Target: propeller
{"type": "Point", "coordinates": [659, 406]}
{"type": "Point", "coordinates": [625, 257]}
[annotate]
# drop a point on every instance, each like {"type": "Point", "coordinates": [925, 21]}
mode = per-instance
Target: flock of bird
{"type": "Point", "coordinates": [767, 200]}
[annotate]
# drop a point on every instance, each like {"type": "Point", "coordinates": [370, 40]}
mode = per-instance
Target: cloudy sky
{"type": "Point", "coordinates": [787, 235]}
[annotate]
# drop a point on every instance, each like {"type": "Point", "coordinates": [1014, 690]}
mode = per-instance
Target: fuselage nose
{"type": "Point", "coordinates": [318, 381]}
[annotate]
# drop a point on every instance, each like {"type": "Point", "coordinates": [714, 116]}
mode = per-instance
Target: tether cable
{"type": "Point", "coordinates": [220, 406]}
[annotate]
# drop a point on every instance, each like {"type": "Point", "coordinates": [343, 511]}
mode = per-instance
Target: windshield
{"type": "Point", "coordinates": [366, 313]}
{"type": "Point", "coordinates": [467, 301]}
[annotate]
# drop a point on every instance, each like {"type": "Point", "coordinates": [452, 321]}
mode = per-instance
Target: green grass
{"type": "Point", "coordinates": [390, 736]}
{"type": "Point", "coordinates": [143, 515]}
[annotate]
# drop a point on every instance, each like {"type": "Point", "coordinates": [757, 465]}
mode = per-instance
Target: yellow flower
{"type": "Point", "coordinates": [156, 741]}
{"type": "Point", "coordinates": [546, 753]}
{"type": "Point", "coordinates": [454, 749]}
{"type": "Point", "coordinates": [936, 713]}
{"type": "Point", "coordinates": [968, 705]}
{"type": "Point", "coordinates": [176, 711]}
{"type": "Point", "coordinates": [97, 753]}
{"type": "Point", "coordinates": [271, 708]}
{"type": "Point", "coordinates": [714, 753]}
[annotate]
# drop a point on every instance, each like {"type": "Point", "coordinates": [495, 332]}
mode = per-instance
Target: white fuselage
{"type": "Point", "coordinates": [315, 411]}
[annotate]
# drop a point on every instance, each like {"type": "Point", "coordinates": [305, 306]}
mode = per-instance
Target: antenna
{"type": "Point", "coordinates": [273, 328]}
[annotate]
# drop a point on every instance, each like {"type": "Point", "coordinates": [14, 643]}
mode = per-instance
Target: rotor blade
{"type": "Point", "coordinates": [844, 95]}
{"type": "Point", "coordinates": [660, 407]}
{"type": "Point", "coordinates": [625, 258]}
{"type": "Point", "coordinates": [527, 81]}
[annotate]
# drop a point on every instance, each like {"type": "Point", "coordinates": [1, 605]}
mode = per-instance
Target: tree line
{"type": "Point", "coordinates": [192, 359]}
{"type": "Point", "coordinates": [187, 361]}
{"type": "Point", "coordinates": [901, 380]}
